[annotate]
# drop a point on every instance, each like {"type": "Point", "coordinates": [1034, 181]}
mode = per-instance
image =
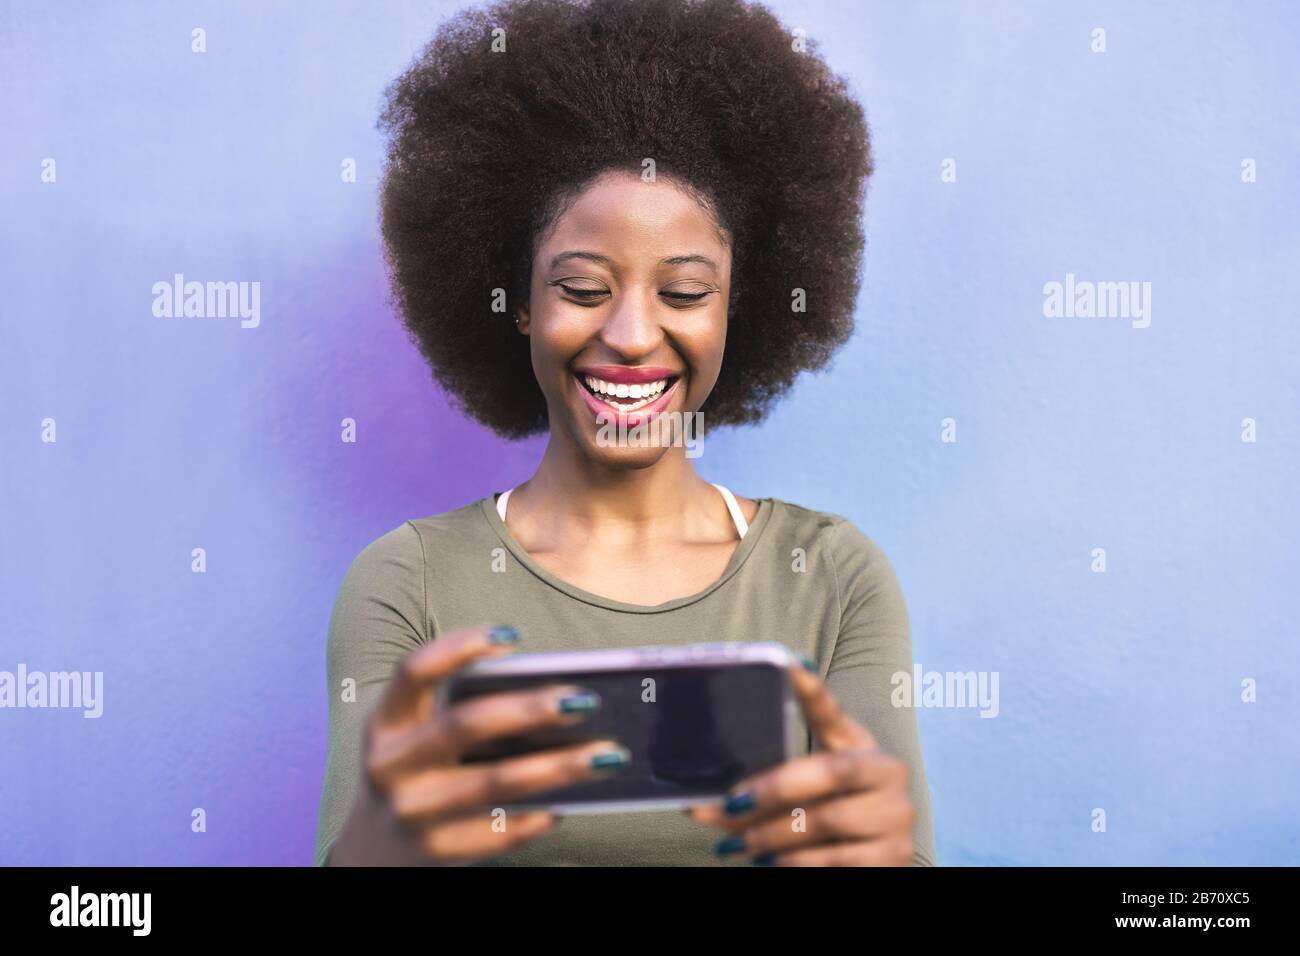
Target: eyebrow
{"type": "Point", "coordinates": [694, 257]}
{"type": "Point", "coordinates": [608, 263]}
{"type": "Point", "coordinates": [581, 254]}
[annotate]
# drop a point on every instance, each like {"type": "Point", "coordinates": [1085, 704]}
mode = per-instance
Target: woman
{"type": "Point", "coordinates": [617, 213]}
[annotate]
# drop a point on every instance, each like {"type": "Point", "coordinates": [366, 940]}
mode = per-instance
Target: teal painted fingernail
{"type": "Point", "coordinates": [809, 664]}
{"type": "Point", "coordinates": [767, 859]}
{"type": "Point", "coordinates": [584, 703]}
{"type": "Point", "coordinates": [610, 759]}
{"type": "Point", "coordinates": [503, 634]}
{"type": "Point", "coordinates": [740, 803]}
{"type": "Point", "coordinates": [729, 845]}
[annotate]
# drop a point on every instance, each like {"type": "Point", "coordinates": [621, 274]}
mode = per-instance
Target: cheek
{"type": "Point", "coordinates": [553, 340]}
{"type": "Point", "coordinates": [705, 353]}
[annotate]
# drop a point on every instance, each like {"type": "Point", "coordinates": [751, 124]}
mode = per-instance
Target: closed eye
{"type": "Point", "coordinates": [592, 295]}
{"type": "Point", "coordinates": [582, 293]}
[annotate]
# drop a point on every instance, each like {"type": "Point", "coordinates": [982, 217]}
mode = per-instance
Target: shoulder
{"type": "Point", "coordinates": [831, 530]}
{"type": "Point", "coordinates": [407, 547]}
{"type": "Point", "coordinates": [856, 560]}
{"type": "Point", "coordinates": [466, 526]}
{"type": "Point", "coordinates": [397, 551]}
{"type": "Point", "coordinates": [393, 569]}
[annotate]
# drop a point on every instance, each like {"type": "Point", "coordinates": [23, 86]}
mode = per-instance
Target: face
{"type": "Point", "coordinates": [627, 314]}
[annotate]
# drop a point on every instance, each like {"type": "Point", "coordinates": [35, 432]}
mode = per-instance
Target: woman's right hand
{"type": "Point", "coordinates": [418, 804]}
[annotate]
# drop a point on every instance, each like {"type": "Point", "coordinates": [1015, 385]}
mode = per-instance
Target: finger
{"type": "Point", "coordinates": [859, 816]}
{"type": "Point", "coordinates": [808, 779]}
{"type": "Point", "coordinates": [484, 835]}
{"type": "Point", "coordinates": [448, 791]}
{"type": "Point", "coordinates": [709, 814]}
{"type": "Point", "coordinates": [421, 669]}
{"type": "Point", "coordinates": [887, 851]}
{"type": "Point", "coordinates": [827, 721]}
{"type": "Point", "coordinates": [453, 731]}
{"type": "Point", "coordinates": [481, 719]}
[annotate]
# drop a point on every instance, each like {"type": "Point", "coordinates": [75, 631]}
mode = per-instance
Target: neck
{"type": "Point", "coordinates": [569, 487]}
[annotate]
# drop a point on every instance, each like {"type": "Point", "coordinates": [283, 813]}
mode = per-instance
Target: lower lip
{"type": "Point", "coordinates": [609, 413]}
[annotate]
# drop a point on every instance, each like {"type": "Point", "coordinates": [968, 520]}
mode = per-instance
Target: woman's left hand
{"type": "Point", "coordinates": [845, 805]}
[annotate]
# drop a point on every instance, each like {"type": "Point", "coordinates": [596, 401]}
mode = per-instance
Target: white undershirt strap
{"type": "Point", "coordinates": [742, 526]}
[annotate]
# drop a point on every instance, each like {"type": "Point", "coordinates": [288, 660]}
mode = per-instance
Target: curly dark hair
{"type": "Point", "coordinates": [485, 148]}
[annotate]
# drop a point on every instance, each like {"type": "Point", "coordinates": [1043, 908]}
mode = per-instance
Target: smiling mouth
{"type": "Point", "coordinates": [626, 398]}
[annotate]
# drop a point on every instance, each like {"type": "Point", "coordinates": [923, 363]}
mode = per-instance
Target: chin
{"type": "Point", "coordinates": [623, 457]}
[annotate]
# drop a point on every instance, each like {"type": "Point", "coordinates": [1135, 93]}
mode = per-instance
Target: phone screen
{"type": "Point", "coordinates": [693, 732]}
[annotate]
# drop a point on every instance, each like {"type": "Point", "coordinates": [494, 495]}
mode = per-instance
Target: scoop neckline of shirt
{"type": "Point", "coordinates": [488, 507]}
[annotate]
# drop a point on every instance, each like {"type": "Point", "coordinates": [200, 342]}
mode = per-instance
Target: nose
{"type": "Point", "coordinates": [632, 327]}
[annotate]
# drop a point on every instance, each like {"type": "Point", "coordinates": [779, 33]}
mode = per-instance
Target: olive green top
{"type": "Point", "coordinates": [808, 579]}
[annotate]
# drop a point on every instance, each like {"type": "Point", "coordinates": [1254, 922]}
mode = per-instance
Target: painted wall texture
{"type": "Point", "coordinates": [1001, 445]}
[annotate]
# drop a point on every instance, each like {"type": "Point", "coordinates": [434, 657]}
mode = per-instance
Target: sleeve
{"type": "Point", "coordinates": [379, 616]}
{"type": "Point", "coordinates": [874, 643]}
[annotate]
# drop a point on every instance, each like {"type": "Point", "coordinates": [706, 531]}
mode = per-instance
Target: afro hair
{"type": "Point", "coordinates": [511, 110]}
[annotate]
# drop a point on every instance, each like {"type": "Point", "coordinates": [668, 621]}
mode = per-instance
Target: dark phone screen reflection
{"type": "Point", "coordinates": [692, 732]}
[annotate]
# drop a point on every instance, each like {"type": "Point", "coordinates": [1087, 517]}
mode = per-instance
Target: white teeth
{"type": "Point", "coordinates": [643, 393]}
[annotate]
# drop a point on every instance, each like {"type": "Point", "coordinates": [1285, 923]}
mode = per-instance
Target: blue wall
{"type": "Point", "coordinates": [1119, 690]}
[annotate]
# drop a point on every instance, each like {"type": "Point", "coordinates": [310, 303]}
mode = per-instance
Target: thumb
{"type": "Point", "coordinates": [827, 721]}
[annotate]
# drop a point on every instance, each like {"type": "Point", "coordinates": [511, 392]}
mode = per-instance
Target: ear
{"type": "Point", "coordinates": [521, 319]}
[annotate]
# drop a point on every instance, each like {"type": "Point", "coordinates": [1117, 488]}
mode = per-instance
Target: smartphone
{"type": "Point", "coordinates": [698, 719]}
